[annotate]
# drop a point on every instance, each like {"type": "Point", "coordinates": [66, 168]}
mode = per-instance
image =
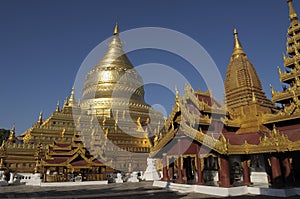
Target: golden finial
{"type": "Point", "coordinates": [293, 14]}
{"type": "Point", "coordinates": [12, 137]}
{"type": "Point", "coordinates": [57, 106]}
{"type": "Point", "coordinates": [63, 133]}
{"type": "Point", "coordinates": [40, 120]}
{"type": "Point", "coordinates": [237, 49]}
{"type": "Point", "coordinates": [177, 99]}
{"type": "Point", "coordinates": [279, 70]}
{"type": "Point", "coordinates": [116, 29]}
{"type": "Point", "coordinates": [139, 125]}
{"type": "Point", "coordinates": [272, 90]}
{"type": "Point", "coordinates": [72, 98]}
{"type": "Point", "coordinates": [274, 131]}
{"type": "Point", "coordinates": [27, 137]}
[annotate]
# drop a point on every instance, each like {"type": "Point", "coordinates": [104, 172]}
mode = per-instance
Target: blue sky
{"type": "Point", "coordinates": [43, 43]}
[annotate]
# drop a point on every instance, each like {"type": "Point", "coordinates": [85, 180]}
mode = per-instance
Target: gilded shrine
{"type": "Point", "coordinates": [248, 140]}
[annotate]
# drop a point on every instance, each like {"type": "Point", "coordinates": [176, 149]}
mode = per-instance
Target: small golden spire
{"type": "Point", "coordinates": [40, 120]}
{"type": "Point", "coordinates": [12, 137]}
{"type": "Point", "coordinates": [63, 133]}
{"type": "Point", "coordinates": [237, 49]}
{"type": "Point", "coordinates": [293, 14]}
{"type": "Point", "coordinates": [57, 106]}
{"type": "Point", "coordinates": [139, 125]}
{"type": "Point", "coordinates": [116, 29]}
{"type": "Point", "coordinates": [253, 97]}
{"type": "Point", "coordinates": [72, 98]}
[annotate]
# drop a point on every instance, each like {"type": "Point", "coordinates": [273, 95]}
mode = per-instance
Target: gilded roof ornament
{"type": "Point", "coordinates": [12, 136]}
{"type": "Point", "coordinates": [63, 133]}
{"type": "Point", "coordinates": [57, 107]}
{"type": "Point", "coordinates": [72, 100]}
{"type": "Point", "coordinates": [237, 48]}
{"type": "Point", "coordinates": [139, 125]}
{"type": "Point", "coordinates": [116, 29]}
{"type": "Point", "coordinates": [40, 120]}
{"type": "Point", "coordinates": [292, 13]}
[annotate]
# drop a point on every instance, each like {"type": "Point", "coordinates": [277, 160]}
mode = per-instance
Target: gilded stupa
{"type": "Point", "coordinates": [246, 102]}
{"type": "Point", "coordinates": [113, 95]}
{"type": "Point", "coordinates": [114, 84]}
{"type": "Point", "coordinates": [112, 119]}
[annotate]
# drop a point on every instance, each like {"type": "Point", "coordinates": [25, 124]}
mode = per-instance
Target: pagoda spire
{"type": "Point", "coordinates": [237, 48]}
{"type": "Point", "coordinates": [57, 107]}
{"type": "Point", "coordinates": [293, 14]}
{"type": "Point", "coordinates": [12, 137]}
{"type": "Point", "coordinates": [72, 100]}
{"type": "Point", "coordinates": [40, 120]}
{"type": "Point", "coordinates": [116, 29]}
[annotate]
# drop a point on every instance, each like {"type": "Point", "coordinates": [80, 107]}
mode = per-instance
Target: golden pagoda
{"type": "Point", "coordinates": [19, 152]}
{"type": "Point", "coordinates": [246, 102]}
{"type": "Point", "coordinates": [250, 140]}
{"type": "Point", "coordinates": [113, 95]}
{"type": "Point", "coordinates": [289, 97]}
{"type": "Point", "coordinates": [112, 119]}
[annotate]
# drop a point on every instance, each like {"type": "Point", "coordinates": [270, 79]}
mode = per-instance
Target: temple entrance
{"type": "Point", "coordinates": [172, 171]}
{"type": "Point", "coordinates": [258, 163]}
{"type": "Point", "coordinates": [235, 170]}
{"type": "Point", "coordinates": [210, 172]}
{"type": "Point", "coordinates": [189, 164]}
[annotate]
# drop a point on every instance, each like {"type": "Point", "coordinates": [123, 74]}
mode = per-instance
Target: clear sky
{"type": "Point", "coordinates": [43, 43]}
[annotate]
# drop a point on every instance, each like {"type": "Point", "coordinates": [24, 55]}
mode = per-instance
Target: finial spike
{"type": "Point", "coordinates": [237, 49]}
{"type": "Point", "coordinates": [40, 120]}
{"type": "Point", "coordinates": [72, 99]}
{"type": "Point", "coordinates": [293, 14]}
{"type": "Point", "coordinates": [12, 136]}
{"type": "Point", "coordinates": [57, 106]}
{"type": "Point", "coordinates": [116, 29]}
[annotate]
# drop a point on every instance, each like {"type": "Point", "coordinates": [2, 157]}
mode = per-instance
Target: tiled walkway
{"type": "Point", "coordinates": [143, 190]}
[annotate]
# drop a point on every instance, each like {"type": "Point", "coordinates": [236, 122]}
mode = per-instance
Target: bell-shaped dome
{"type": "Point", "coordinates": [114, 82]}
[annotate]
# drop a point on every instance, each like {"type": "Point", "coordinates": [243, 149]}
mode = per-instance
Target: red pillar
{"type": "Point", "coordinates": [165, 170]}
{"type": "Point", "coordinates": [179, 171]}
{"type": "Point", "coordinates": [224, 173]}
{"type": "Point", "coordinates": [246, 173]}
{"type": "Point", "coordinates": [199, 171]}
{"type": "Point", "coordinates": [288, 178]}
{"type": "Point", "coordinates": [287, 165]}
{"type": "Point", "coordinates": [184, 178]}
{"type": "Point", "coordinates": [171, 173]}
{"type": "Point", "coordinates": [276, 171]}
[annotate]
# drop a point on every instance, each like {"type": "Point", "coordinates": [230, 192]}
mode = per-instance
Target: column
{"type": "Point", "coordinates": [104, 174]}
{"type": "Point", "coordinates": [224, 173]}
{"type": "Point", "coordinates": [184, 178]}
{"type": "Point", "coordinates": [288, 168]}
{"type": "Point", "coordinates": [45, 174]}
{"type": "Point", "coordinates": [165, 169]}
{"type": "Point", "coordinates": [276, 172]}
{"type": "Point", "coordinates": [179, 171]}
{"type": "Point", "coordinates": [246, 172]}
{"type": "Point", "coordinates": [171, 173]}
{"type": "Point", "coordinates": [199, 170]}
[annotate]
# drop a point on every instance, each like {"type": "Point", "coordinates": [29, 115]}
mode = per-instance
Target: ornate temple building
{"type": "Point", "coordinates": [112, 121]}
{"type": "Point", "coordinates": [250, 139]}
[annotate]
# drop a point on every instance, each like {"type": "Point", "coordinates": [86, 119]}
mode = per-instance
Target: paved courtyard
{"type": "Point", "coordinates": [115, 191]}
